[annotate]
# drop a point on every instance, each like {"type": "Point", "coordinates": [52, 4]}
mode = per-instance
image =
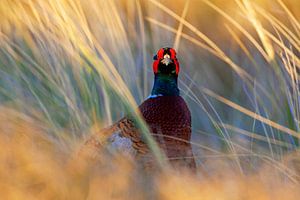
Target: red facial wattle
{"type": "Point", "coordinates": [173, 53]}
{"type": "Point", "coordinates": [160, 54]}
{"type": "Point", "coordinates": [155, 66]}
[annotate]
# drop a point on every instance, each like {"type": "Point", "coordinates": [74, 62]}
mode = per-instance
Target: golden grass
{"type": "Point", "coordinates": [258, 27]}
{"type": "Point", "coordinates": [44, 43]}
{"type": "Point", "coordinates": [36, 167]}
{"type": "Point", "coordinates": [180, 27]}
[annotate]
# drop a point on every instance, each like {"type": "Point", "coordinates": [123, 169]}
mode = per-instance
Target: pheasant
{"type": "Point", "coordinates": [166, 114]}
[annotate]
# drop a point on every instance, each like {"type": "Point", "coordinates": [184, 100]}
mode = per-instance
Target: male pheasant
{"type": "Point", "coordinates": [166, 114]}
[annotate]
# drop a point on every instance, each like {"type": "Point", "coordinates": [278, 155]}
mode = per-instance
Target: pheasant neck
{"type": "Point", "coordinates": [165, 85]}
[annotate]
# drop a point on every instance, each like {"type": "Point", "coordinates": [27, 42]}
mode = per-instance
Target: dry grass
{"type": "Point", "coordinates": [35, 167]}
{"type": "Point", "coordinates": [69, 65]}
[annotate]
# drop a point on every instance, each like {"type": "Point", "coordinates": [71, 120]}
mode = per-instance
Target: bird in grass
{"type": "Point", "coordinates": [166, 114]}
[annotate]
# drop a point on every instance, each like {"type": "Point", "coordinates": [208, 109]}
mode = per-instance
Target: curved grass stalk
{"type": "Point", "coordinates": [251, 114]}
{"type": "Point", "coordinates": [180, 27]}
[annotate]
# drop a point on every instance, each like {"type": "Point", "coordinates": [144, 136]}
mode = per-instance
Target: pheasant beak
{"type": "Point", "coordinates": [166, 60]}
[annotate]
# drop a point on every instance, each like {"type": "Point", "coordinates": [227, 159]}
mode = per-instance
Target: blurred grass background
{"type": "Point", "coordinates": [70, 67]}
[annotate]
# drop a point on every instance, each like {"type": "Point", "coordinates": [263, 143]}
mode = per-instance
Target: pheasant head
{"type": "Point", "coordinates": [165, 62]}
{"type": "Point", "coordinates": [166, 70]}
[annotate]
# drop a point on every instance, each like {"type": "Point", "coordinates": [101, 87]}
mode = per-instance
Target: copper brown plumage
{"type": "Point", "coordinates": [169, 120]}
{"type": "Point", "coordinates": [166, 114]}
